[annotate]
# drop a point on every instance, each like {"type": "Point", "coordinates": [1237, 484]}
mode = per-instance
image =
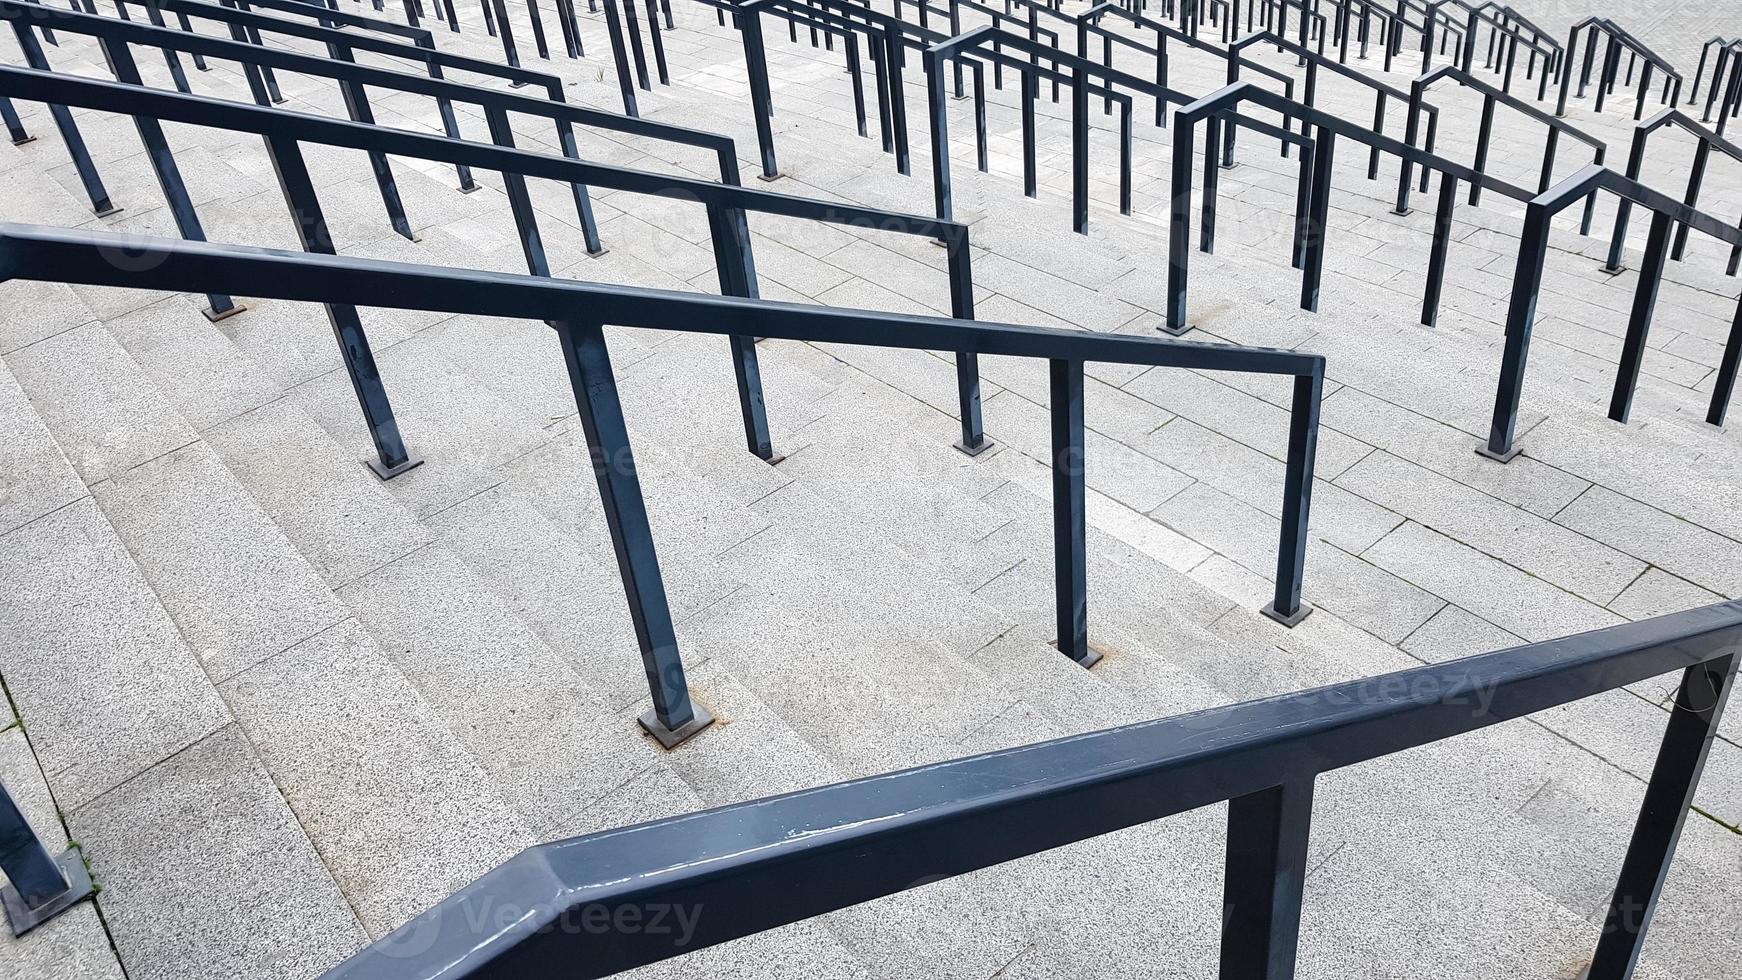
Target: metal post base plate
{"type": "Point", "coordinates": [968, 450]}
{"type": "Point", "coordinates": [27, 139]}
{"type": "Point", "coordinates": [1175, 332]}
{"type": "Point", "coordinates": [1091, 660]}
{"type": "Point", "coordinates": [22, 918]}
{"type": "Point", "coordinates": [227, 314]}
{"type": "Point", "coordinates": [1612, 272]}
{"type": "Point", "coordinates": [469, 190]}
{"type": "Point", "coordinates": [386, 472]}
{"type": "Point", "coordinates": [1305, 610]}
{"type": "Point", "coordinates": [770, 177]}
{"type": "Point", "coordinates": [602, 250]}
{"type": "Point", "coordinates": [671, 738]}
{"type": "Point", "coordinates": [1505, 457]}
{"type": "Point", "coordinates": [111, 211]}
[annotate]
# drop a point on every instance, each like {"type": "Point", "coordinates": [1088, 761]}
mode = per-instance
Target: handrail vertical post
{"type": "Point", "coordinates": [1436, 262]}
{"type": "Point", "coordinates": [626, 86]}
{"type": "Point", "coordinates": [1030, 93]}
{"type": "Point", "coordinates": [1079, 151]}
{"type": "Point", "coordinates": [1548, 152]}
{"type": "Point", "coordinates": [519, 200]}
{"type": "Point", "coordinates": [1624, 207]}
{"type": "Point", "coordinates": [1411, 127]}
{"type": "Point", "coordinates": [391, 457]}
{"type": "Point", "coordinates": [1069, 514]}
{"type": "Point", "coordinates": [937, 114]}
{"type": "Point", "coordinates": [1520, 318]}
{"type": "Point", "coordinates": [357, 107]}
{"type": "Point", "coordinates": [756, 65]}
{"type": "Point", "coordinates": [973, 441]}
{"type": "Point", "coordinates": [1318, 213]}
{"type": "Point", "coordinates": [1681, 757]}
{"type": "Point", "coordinates": [1286, 606]}
{"type": "Point", "coordinates": [1179, 227]}
{"type": "Point", "coordinates": [1696, 177]}
{"type": "Point", "coordinates": [1725, 382]}
{"type": "Point", "coordinates": [1212, 174]}
{"type": "Point", "coordinates": [894, 58]}
{"type": "Point", "coordinates": [1484, 133]}
{"type": "Point", "coordinates": [101, 205]}
{"type": "Point", "coordinates": [1264, 881]}
{"type": "Point", "coordinates": [1639, 320]}
{"type": "Point", "coordinates": [736, 270]}
{"type": "Point", "coordinates": [1303, 201]}
{"type": "Point", "coordinates": [175, 192]}
{"type": "Point", "coordinates": [41, 886]}
{"type": "Point", "coordinates": [673, 717]}
{"type": "Point", "coordinates": [15, 130]}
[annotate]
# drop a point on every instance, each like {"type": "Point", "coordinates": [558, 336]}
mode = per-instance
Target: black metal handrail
{"type": "Point", "coordinates": [1500, 20]}
{"type": "Point", "coordinates": [1508, 48]}
{"type": "Point", "coordinates": [578, 312]}
{"type": "Point", "coordinates": [1492, 97]}
{"type": "Point", "coordinates": [1164, 34]}
{"type": "Point", "coordinates": [1705, 141]}
{"type": "Point", "coordinates": [1729, 54]}
{"type": "Point", "coordinates": [1527, 283]}
{"type": "Point", "coordinates": [726, 205]}
{"type": "Point", "coordinates": [1619, 38]}
{"type": "Point", "coordinates": [753, 866]}
{"type": "Point", "coordinates": [352, 78]}
{"type": "Point", "coordinates": [1086, 76]}
{"type": "Point", "coordinates": [888, 37]}
{"type": "Point", "coordinates": [1310, 228]}
{"type": "Point", "coordinates": [1309, 92]}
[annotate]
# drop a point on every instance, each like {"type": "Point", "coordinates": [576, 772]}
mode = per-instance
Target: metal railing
{"type": "Point", "coordinates": [1618, 39]}
{"type": "Point", "coordinates": [1705, 141]}
{"type": "Point", "coordinates": [1527, 283]}
{"type": "Point", "coordinates": [748, 867]}
{"type": "Point", "coordinates": [1313, 61]}
{"type": "Point", "coordinates": [42, 886]}
{"type": "Point", "coordinates": [1729, 55]}
{"type": "Point", "coordinates": [1086, 76]}
{"type": "Point", "coordinates": [1504, 24]}
{"type": "Point", "coordinates": [355, 80]}
{"type": "Point", "coordinates": [1492, 97]}
{"type": "Point", "coordinates": [888, 38]}
{"type": "Point", "coordinates": [1310, 225]}
{"type": "Point", "coordinates": [1165, 34]}
{"type": "Point", "coordinates": [579, 311]}
{"type": "Point", "coordinates": [725, 204]}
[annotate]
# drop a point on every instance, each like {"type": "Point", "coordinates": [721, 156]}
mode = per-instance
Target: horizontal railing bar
{"type": "Point", "coordinates": [363, 42]}
{"type": "Point", "coordinates": [973, 42]}
{"type": "Point", "coordinates": [1675, 117]}
{"type": "Point", "coordinates": [1595, 177]}
{"type": "Point", "coordinates": [1323, 61]}
{"type": "Point", "coordinates": [1220, 100]}
{"type": "Point", "coordinates": [752, 866]}
{"type": "Point", "coordinates": [1628, 41]}
{"type": "Point", "coordinates": [146, 34]}
{"type": "Point", "coordinates": [86, 93]}
{"type": "Point", "coordinates": [87, 257]}
{"type": "Point", "coordinates": [418, 35]}
{"type": "Point", "coordinates": [1106, 7]}
{"type": "Point", "coordinates": [1548, 119]}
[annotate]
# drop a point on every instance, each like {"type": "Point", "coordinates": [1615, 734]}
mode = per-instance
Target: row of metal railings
{"type": "Point", "coordinates": [863, 840]}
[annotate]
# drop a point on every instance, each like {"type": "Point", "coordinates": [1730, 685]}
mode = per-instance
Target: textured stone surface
{"type": "Point", "coordinates": [103, 680]}
{"type": "Point", "coordinates": [207, 874]}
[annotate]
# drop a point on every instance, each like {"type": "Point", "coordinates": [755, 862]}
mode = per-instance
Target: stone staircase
{"type": "Point", "coordinates": [285, 706]}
